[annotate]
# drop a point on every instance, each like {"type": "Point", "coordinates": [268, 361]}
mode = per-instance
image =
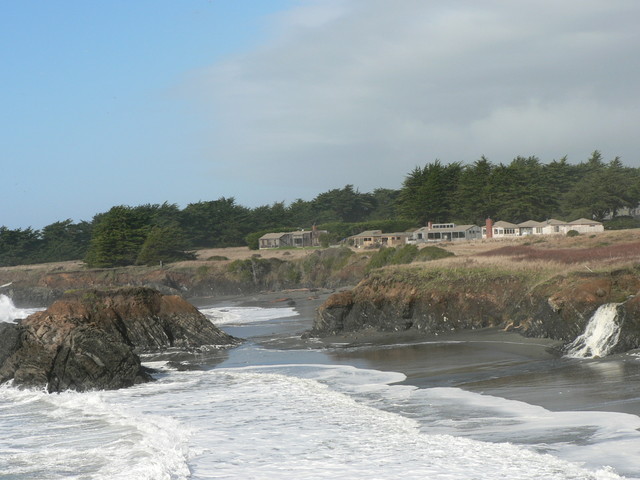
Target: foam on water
{"type": "Point", "coordinates": [88, 435]}
{"type": "Point", "coordinates": [245, 315]}
{"type": "Point", "coordinates": [600, 335]}
{"type": "Point", "coordinates": [292, 421]}
{"type": "Point", "coordinates": [303, 421]}
{"type": "Point", "coordinates": [9, 312]}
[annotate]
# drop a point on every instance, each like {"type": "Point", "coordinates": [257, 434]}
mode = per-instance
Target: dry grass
{"type": "Point", "coordinates": [545, 257]}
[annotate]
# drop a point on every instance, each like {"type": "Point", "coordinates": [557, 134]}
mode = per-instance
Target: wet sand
{"type": "Point", "coordinates": [488, 361]}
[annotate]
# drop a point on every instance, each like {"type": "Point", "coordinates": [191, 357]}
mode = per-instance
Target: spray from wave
{"type": "Point", "coordinates": [10, 313]}
{"type": "Point", "coordinates": [600, 336]}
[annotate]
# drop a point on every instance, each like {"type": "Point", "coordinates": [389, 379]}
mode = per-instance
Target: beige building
{"type": "Point", "coordinates": [375, 238]}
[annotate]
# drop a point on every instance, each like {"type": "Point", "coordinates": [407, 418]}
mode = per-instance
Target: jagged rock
{"type": "Point", "coordinates": [90, 339]}
{"type": "Point", "coordinates": [401, 300]}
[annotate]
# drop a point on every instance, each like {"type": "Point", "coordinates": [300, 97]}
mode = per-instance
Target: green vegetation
{"type": "Point", "coordinates": [524, 189]}
{"type": "Point", "coordinates": [404, 255]}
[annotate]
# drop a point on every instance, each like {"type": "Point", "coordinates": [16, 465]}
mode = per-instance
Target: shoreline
{"type": "Point", "coordinates": [488, 361]}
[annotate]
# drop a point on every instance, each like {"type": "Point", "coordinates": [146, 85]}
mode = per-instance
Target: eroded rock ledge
{"type": "Point", "coordinates": [90, 339]}
{"type": "Point", "coordinates": [429, 302]}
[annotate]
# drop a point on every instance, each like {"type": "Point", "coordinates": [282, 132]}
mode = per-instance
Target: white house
{"type": "Point", "coordinates": [553, 226]}
{"type": "Point", "coordinates": [584, 225]}
{"type": "Point", "coordinates": [503, 229]}
{"type": "Point", "coordinates": [530, 227]}
{"type": "Point", "coordinates": [445, 232]}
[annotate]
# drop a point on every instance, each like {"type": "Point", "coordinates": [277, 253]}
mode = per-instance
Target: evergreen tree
{"type": "Point", "coordinates": [428, 193]}
{"type": "Point", "coordinates": [117, 237]}
{"type": "Point", "coordinates": [164, 244]}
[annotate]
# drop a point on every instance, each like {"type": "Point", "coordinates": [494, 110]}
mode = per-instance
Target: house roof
{"type": "Point", "coordinates": [530, 224]}
{"type": "Point", "coordinates": [553, 221]}
{"type": "Point", "coordinates": [457, 228]}
{"type": "Point", "coordinates": [369, 233]}
{"type": "Point", "coordinates": [503, 224]}
{"type": "Point", "coordinates": [269, 236]}
{"type": "Point", "coordinates": [584, 221]}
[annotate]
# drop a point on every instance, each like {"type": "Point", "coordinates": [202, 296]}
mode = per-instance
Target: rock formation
{"type": "Point", "coordinates": [412, 300]}
{"type": "Point", "coordinates": [90, 339]}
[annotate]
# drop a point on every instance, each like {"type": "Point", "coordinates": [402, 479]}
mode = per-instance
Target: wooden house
{"type": "Point", "coordinates": [297, 239]}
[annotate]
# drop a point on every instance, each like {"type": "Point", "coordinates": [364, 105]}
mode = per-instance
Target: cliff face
{"type": "Point", "coordinates": [33, 286]}
{"type": "Point", "coordinates": [438, 301]}
{"type": "Point", "coordinates": [90, 339]}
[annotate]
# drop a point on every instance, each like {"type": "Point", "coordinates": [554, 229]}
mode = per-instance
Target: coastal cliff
{"type": "Point", "coordinates": [39, 286]}
{"type": "Point", "coordinates": [436, 300]}
{"type": "Point", "coordinates": [91, 339]}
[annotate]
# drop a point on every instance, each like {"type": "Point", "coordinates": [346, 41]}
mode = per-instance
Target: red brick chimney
{"type": "Point", "coordinates": [489, 228]}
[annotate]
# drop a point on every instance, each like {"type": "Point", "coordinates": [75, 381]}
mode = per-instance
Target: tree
{"type": "Point", "coordinates": [117, 237]}
{"type": "Point", "coordinates": [427, 193]}
{"type": "Point", "coordinates": [521, 190]}
{"type": "Point", "coordinates": [476, 195]}
{"type": "Point", "coordinates": [218, 223]}
{"type": "Point", "coordinates": [164, 244]}
{"type": "Point", "coordinates": [18, 246]}
{"type": "Point", "coordinates": [604, 190]}
{"type": "Point", "coordinates": [343, 205]}
{"type": "Point", "coordinates": [64, 240]}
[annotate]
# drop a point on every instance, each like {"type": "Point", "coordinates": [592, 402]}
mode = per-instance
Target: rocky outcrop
{"type": "Point", "coordinates": [90, 339]}
{"type": "Point", "coordinates": [40, 285]}
{"type": "Point", "coordinates": [436, 301]}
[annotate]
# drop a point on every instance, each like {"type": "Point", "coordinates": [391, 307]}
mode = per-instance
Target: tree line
{"type": "Point", "coordinates": [524, 189]}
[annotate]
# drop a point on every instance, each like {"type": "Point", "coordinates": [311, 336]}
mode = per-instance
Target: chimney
{"type": "Point", "coordinates": [430, 225]}
{"type": "Point", "coordinates": [489, 228]}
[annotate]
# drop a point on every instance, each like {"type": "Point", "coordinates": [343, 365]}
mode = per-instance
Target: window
{"type": "Point", "coordinates": [509, 231]}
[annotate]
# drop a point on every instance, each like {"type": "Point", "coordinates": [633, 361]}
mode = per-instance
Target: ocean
{"type": "Point", "coordinates": [481, 405]}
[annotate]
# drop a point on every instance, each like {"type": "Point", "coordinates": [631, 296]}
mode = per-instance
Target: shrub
{"type": "Point", "coordinates": [404, 254]}
{"type": "Point", "coordinates": [381, 258]}
{"type": "Point", "coordinates": [573, 233]}
{"type": "Point", "coordinates": [217, 258]}
{"type": "Point", "coordinates": [432, 253]}
{"type": "Point", "coordinates": [622, 222]}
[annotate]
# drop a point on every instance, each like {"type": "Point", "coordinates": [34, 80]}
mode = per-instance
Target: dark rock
{"type": "Point", "coordinates": [558, 309]}
{"type": "Point", "coordinates": [10, 340]}
{"type": "Point", "coordinates": [90, 339]}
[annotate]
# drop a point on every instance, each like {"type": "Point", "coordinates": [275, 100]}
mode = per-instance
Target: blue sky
{"type": "Point", "coordinates": [134, 102]}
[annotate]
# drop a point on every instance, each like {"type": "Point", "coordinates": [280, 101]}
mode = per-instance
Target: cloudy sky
{"type": "Point", "coordinates": [122, 102]}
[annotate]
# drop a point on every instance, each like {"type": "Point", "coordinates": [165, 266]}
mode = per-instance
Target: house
{"type": "Point", "coordinates": [553, 226]}
{"type": "Point", "coordinates": [445, 232]}
{"type": "Point", "coordinates": [503, 229]}
{"type": "Point", "coordinates": [297, 239]}
{"type": "Point", "coordinates": [375, 238]}
{"type": "Point", "coordinates": [274, 240]}
{"type": "Point", "coordinates": [530, 227]}
{"type": "Point", "coordinates": [584, 225]}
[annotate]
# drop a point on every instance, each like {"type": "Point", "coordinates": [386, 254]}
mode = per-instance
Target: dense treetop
{"type": "Point", "coordinates": [525, 189]}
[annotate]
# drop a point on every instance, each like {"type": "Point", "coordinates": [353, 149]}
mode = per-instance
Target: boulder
{"type": "Point", "coordinates": [90, 339]}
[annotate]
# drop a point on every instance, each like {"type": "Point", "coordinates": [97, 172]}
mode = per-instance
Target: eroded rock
{"type": "Point", "coordinates": [90, 339]}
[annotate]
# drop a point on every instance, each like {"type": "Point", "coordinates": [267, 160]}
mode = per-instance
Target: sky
{"type": "Point", "coordinates": [150, 101]}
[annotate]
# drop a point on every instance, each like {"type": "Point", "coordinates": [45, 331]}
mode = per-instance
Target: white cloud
{"type": "Point", "coordinates": [360, 91]}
